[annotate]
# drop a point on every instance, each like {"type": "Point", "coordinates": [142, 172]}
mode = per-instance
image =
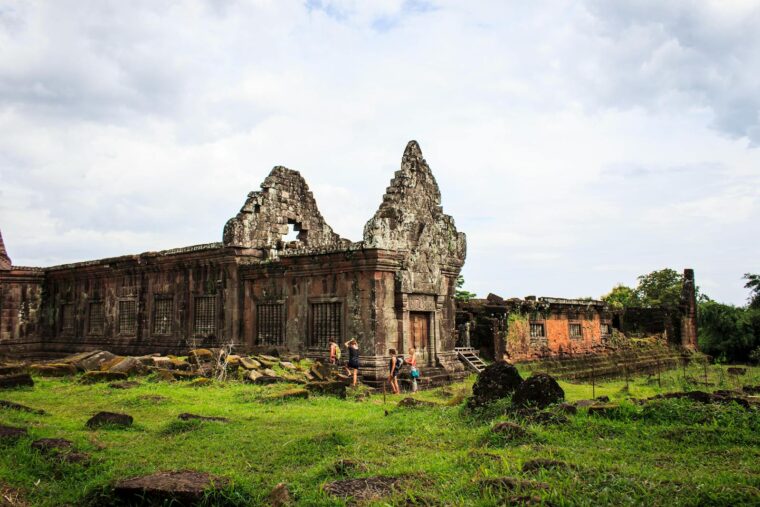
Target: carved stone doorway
{"type": "Point", "coordinates": [419, 337]}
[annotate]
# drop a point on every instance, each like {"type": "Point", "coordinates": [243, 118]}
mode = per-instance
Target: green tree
{"type": "Point", "coordinates": [660, 288]}
{"type": "Point", "coordinates": [621, 297]}
{"type": "Point", "coordinates": [727, 331]}
{"type": "Point", "coordinates": [753, 284]}
{"type": "Point", "coordinates": [461, 294]}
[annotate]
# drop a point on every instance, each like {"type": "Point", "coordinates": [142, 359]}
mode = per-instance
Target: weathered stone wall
{"type": "Point", "coordinates": [284, 199]}
{"type": "Point", "coordinates": [20, 310]}
{"type": "Point", "coordinates": [179, 277]}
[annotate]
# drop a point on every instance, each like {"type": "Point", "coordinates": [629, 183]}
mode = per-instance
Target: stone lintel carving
{"type": "Point", "coordinates": [411, 220]}
{"type": "Point", "coordinates": [5, 261]}
{"type": "Point", "coordinates": [284, 199]}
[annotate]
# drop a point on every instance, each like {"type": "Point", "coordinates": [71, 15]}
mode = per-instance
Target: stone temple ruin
{"type": "Point", "coordinates": [257, 290]}
{"type": "Point", "coordinates": [260, 292]}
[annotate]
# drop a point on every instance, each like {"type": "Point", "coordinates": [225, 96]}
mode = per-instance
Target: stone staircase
{"type": "Point", "coordinates": [470, 358]}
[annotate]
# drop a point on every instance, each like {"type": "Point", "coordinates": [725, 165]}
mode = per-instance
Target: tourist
{"type": "Point", "coordinates": [415, 373]}
{"type": "Point", "coordinates": [334, 353]}
{"type": "Point", "coordinates": [395, 368]}
{"type": "Point", "coordinates": [353, 360]}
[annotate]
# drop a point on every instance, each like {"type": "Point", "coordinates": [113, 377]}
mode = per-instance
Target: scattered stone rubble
{"type": "Point", "coordinates": [199, 367]}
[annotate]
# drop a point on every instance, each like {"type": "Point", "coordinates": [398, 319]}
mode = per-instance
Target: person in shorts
{"type": "Point", "coordinates": [353, 360]}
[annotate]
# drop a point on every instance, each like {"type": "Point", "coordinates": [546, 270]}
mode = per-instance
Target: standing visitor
{"type": "Point", "coordinates": [415, 373]}
{"type": "Point", "coordinates": [334, 353]}
{"type": "Point", "coordinates": [353, 359]}
{"type": "Point", "coordinates": [394, 369]}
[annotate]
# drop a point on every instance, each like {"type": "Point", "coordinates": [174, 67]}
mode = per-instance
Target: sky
{"type": "Point", "coordinates": [578, 144]}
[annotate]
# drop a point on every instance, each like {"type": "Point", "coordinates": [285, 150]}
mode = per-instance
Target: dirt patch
{"type": "Point", "coordinates": [52, 445]}
{"type": "Point", "coordinates": [184, 487]}
{"type": "Point", "coordinates": [10, 434]}
{"type": "Point", "coordinates": [510, 483]}
{"type": "Point", "coordinates": [11, 497]}
{"type": "Point", "coordinates": [415, 403]}
{"type": "Point", "coordinates": [546, 464]}
{"type": "Point", "coordinates": [127, 384]}
{"type": "Point", "coordinates": [187, 417]}
{"type": "Point", "coordinates": [347, 466]}
{"type": "Point", "coordinates": [360, 490]}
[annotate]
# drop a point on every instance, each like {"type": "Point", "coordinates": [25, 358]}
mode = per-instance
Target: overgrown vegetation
{"type": "Point", "coordinates": [672, 452]}
{"type": "Point", "coordinates": [460, 294]}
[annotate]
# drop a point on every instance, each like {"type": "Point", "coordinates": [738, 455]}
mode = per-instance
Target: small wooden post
{"type": "Point", "coordinates": [659, 380]}
{"type": "Point", "coordinates": [593, 381]}
{"type": "Point", "coordinates": [625, 367]}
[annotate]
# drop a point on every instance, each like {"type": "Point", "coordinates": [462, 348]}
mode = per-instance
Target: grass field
{"type": "Point", "coordinates": [671, 452]}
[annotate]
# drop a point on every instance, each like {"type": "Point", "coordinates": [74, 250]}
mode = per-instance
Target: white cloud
{"type": "Point", "coordinates": [578, 145]}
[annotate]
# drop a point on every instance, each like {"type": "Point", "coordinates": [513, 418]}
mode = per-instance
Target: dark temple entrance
{"type": "Point", "coordinates": [419, 327]}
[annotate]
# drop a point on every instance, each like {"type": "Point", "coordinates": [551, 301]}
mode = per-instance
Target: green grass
{"type": "Point", "coordinates": [667, 453]}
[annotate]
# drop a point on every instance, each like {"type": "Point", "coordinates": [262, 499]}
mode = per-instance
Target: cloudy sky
{"type": "Point", "coordinates": [577, 143]}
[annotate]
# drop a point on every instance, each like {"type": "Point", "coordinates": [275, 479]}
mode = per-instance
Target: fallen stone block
{"type": "Point", "coordinates": [164, 488]}
{"type": "Point", "coordinates": [17, 380]}
{"type": "Point", "coordinates": [95, 361]}
{"type": "Point", "coordinates": [12, 369]}
{"type": "Point", "coordinates": [22, 408]}
{"type": "Point", "coordinates": [198, 356]}
{"type": "Point", "coordinates": [129, 366]}
{"type": "Point", "coordinates": [495, 382]}
{"type": "Point", "coordinates": [736, 371]}
{"type": "Point", "coordinates": [109, 419]}
{"type": "Point", "coordinates": [288, 394]}
{"type": "Point", "coordinates": [53, 370]}
{"type": "Point", "coordinates": [330, 388]}
{"type": "Point", "coordinates": [539, 390]}
{"type": "Point", "coordinates": [249, 363]}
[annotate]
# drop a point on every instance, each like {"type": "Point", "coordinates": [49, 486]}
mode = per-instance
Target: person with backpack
{"type": "Point", "coordinates": [394, 366]}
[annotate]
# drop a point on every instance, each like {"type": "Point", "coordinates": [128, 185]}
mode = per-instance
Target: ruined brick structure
{"type": "Point", "coordinates": [258, 291]}
{"type": "Point", "coordinates": [534, 328]}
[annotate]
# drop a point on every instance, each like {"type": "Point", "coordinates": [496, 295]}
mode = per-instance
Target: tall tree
{"type": "Point", "coordinates": [753, 284]}
{"type": "Point", "coordinates": [660, 288]}
{"type": "Point", "coordinates": [621, 297]}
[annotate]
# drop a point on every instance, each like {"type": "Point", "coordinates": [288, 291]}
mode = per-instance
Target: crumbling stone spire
{"type": "Point", "coordinates": [284, 199]}
{"type": "Point", "coordinates": [5, 261]}
{"type": "Point", "coordinates": [410, 219]}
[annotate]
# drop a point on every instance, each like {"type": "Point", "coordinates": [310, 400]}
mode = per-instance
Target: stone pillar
{"type": "Point", "coordinates": [689, 311]}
